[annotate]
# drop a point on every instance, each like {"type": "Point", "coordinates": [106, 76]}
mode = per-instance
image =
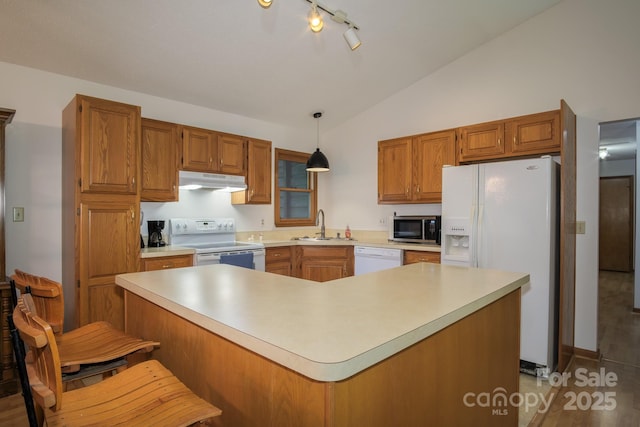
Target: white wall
{"type": "Point", "coordinates": [33, 159]}
{"type": "Point", "coordinates": [617, 167]}
{"type": "Point", "coordinates": [584, 51]}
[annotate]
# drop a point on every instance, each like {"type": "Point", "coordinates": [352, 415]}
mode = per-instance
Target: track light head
{"type": "Point", "coordinates": [315, 19]}
{"type": "Point", "coordinates": [352, 38]}
{"type": "Point", "coordinates": [265, 3]}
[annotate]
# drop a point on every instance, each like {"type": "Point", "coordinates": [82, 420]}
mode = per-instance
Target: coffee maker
{"type": "Point", "coordinates": [155, 228]}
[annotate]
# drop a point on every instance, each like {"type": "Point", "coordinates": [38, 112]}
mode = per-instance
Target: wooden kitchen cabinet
{"type": "Point", "coordinates": [165, 262]}
{"type": "Point", "coordinates": [108, 135]}
{"type": "Point", "coordinates": [410, 168]}
{"type": "Point", "coordinates": [278, 260]}
{"type": "Point", "coordinates": [481, 141]}
{"type": "Point", "coordinates": [431, 152]}
{"type": "Point", "coordinates": [534, 134]}
{"type": "Point", "coordinates": [394, 170]}
{"type": "Point", "coordinates": [324, 263]}
{"type": "Point", "coordinates": [199, 149]}
{"type": "Point", "coordinates": [109, 245]}
{"type": "Point", "coordinates": [258, 174]}
{"type": "Point", "coordinates": [100, 206]}
{"type": "Point", "coordinates": [210, 151]}
{"type": "Point", "coordinates": [411, 257]}
{"type": "Point", "coordinates": [519, 136]}
{"type": "Point", "coordinates": [161, 150]}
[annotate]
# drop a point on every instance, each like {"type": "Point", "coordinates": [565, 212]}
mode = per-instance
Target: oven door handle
{"type": "Point", "coordinates": [209, 256]}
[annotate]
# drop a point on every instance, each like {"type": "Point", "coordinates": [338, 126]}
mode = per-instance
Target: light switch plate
{"type": "Point", "coordinates": [18, 214]}
{"type": "Point", "coordinates": [580, 227]}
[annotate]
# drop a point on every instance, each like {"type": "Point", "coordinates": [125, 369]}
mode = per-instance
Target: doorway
{"type": "Point", "coordinates": [617, 208]}
{"type": "Point", "coordinates": [616, 223]}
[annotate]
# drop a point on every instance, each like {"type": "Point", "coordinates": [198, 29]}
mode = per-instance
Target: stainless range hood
{"type": "Point", "coordinates": [195, 180]}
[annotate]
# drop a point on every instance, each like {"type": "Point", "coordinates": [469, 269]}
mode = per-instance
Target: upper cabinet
{"type": "Point", "coordinates": [481, 141]}
{"type": "Point", "coordinates": [431, 152]}
{"type": "Point", "coordinates": [258, 174]}
{"type": "Point", "coordinates": [209, 151]}
{"type": "Point", "coordinates": [520, 136]}
{"type": "Point", "coordinates": [107, 135]}
{"type": "Point", "coordinates": [410, 169]}
{"type": "Point", "coordinates": [160, 161]}
{"type": "Point", "coordinates": [232, 154]}
{"type": "Point", "coordinates": [534, 134]}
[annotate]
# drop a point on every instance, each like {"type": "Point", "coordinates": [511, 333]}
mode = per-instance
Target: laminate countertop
{"type": "Point", "coordinates": [173, 250]}
{"type": "Point", "coordinates": [326, 331]}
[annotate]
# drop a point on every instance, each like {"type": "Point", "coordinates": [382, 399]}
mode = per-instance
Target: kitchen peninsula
{"type": "Point", "coordinates": [398, 347]}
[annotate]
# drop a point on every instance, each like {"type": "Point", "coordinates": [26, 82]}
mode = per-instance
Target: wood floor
{"type": "Point", "coordinates": [619, 343]}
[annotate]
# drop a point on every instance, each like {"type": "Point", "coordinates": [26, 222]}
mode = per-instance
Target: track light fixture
{"type": "Point", "coordinates": [316, 24]}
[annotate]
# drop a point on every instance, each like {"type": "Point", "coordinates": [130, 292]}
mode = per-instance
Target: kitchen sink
{"type": "Point", "coordinates": [317, 239]}
{"type": "Point", "coordinates": [312, 239]}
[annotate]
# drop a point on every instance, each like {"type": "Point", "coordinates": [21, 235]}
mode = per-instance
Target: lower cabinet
{"type": "Point", "coordinates": [411, 257]}
{"type": "Point", "coordinates": [162, 263]}
{"type": "Point", "coordinates": [324, 263]}
{"type": "Point", "coordinates": [278, 260]}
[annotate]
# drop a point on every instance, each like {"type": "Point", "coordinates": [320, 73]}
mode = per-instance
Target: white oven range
{"type": "Point", "coordinates": [214, 242]}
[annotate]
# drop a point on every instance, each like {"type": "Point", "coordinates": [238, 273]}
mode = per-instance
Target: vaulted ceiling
{"type": "Point", "coordinates": [235, 56]}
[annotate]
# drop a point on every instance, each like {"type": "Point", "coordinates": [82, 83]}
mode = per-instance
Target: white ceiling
{"type": "Point", "coordinates": [234, 56]}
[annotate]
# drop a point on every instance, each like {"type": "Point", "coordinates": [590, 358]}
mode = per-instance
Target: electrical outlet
{"type": "Point", "coordinates": [262, 222]}
{"type": "Point", "coordinates": [580, 227]}
{"type": "Point", "coordinates": [382, 221]}
{"type": "Point", "coordinates": [18, 214]}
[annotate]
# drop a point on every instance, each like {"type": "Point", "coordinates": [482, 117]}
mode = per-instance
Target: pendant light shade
{"type": "Point", "coordinates": [318, 162]}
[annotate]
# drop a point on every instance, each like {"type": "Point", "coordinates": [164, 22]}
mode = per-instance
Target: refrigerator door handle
{"type": "Point", "coordinates": [478, 260]}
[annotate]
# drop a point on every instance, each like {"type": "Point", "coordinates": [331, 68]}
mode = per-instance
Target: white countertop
{"type": "Point", "coordinates": [171, 250]}
{"type": "Point", "coordinates": [326, 331]}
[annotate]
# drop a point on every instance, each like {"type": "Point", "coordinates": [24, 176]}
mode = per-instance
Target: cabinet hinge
{"type": "Point", "coordinates": [78, 211]}
{"type": "Point", "coordinates": [79, 182]}
{"type": "Point", "coordinates": [78, 284]}
{"type": "Point", "coordinates": [80, 108]}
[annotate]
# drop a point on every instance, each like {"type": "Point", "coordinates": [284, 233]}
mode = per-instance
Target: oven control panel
{"type": "Point", "coordinates": [179, 226]}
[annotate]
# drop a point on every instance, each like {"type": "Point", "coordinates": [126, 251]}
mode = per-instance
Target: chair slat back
{"type": "Point", "coordinates": [43, 366]}
{"type": "Point", "coordinates": [48, 297]}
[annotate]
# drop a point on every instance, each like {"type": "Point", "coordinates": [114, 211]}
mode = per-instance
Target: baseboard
{"type": "Point", "coordinates": [587, 354]}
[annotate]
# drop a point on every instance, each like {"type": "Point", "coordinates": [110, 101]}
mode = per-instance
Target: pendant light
{"type": "Point", "coordinates": [318, 162]}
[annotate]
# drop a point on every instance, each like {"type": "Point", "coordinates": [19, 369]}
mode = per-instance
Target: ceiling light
{"type": "Point", "coordinates": [352, 38]}
{"type": "Point", "coordinates": [317, 162]}
{"type": "Point", "coordinates": [603, 153]}
{"type": "Point", "coordinates": [315, 20]}
{"type": "Point", "coordinates": [316, 23]}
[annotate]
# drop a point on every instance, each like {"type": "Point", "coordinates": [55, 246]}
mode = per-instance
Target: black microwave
{"type": "Point", "coordinates": [415, 229]}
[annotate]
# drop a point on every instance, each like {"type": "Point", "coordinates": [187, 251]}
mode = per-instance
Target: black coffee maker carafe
{"type": "Point", "coordinates": [155, 228]}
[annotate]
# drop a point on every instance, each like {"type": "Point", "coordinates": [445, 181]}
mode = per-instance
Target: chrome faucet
{"type": "Point", "coordinates": [322, 230]}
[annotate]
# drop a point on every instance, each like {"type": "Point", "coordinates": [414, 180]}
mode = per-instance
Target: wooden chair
{"type": "Point", "coordinates": [143, 395]}
{"type": "Point", "coordinates": [97, 347]}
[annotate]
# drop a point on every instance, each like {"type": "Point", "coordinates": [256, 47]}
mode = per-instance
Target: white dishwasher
{"type": "Point", "coordinates": [370, 259]}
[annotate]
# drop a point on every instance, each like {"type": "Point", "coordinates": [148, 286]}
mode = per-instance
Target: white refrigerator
{"type": "Point", "coordinates": [504, 215]}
